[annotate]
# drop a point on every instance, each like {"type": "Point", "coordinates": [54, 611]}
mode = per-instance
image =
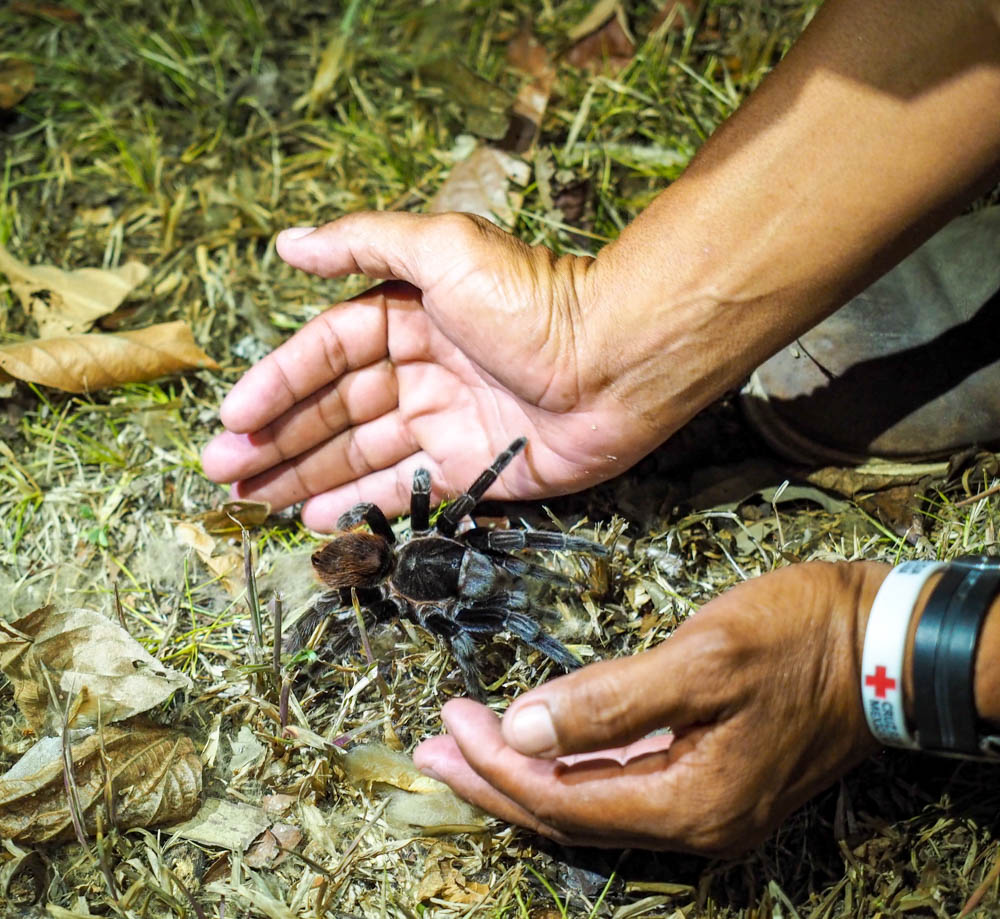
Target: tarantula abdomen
{"type": "Point", "coordinates": [354, 559]}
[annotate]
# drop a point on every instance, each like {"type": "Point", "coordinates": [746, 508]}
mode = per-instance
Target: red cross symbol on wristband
{"type": "Point", "coordinates": [880, 681]}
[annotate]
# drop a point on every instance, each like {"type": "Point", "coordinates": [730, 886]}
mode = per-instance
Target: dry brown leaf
{"type": "Point", "coordinates": [439, 814]}
{"type": "Point", "coordinates": [69, 302]}
{"type": "Point", "coordinates": [232, 515]}
{"type": "Point", "coordinates": [599, 14]}
{"type": "Point", "coordinates": [609, 48]}
{"type": "Point", "coordinates": [677, 8]}
{"type": "Point", "coordinates": [154, 774]}
{"type": "Point", "coordinates": [48, 10]}
{"type": "Point", "coordinates": [372, 764]}
{"type": "Point", "coordinates": [224, 824]}
{"type": "Point", "coordinates": [89, 660]}
{"type": "Point", "coordinates": [226, 565]}
{"type": "Point", "coordinates": [271, 848]}
{"type": "Point", "coordinates": [85, 363]}
{"type": "Point", "coordinates": [444, 881]}
{"type": "Point", "coordinates": [480, 184]}
{"type": "Point", "coordinates": [17, 79]}
{"type": "Point", "coordinates": [420, 804]}
{"type": "Point", "coordinates": [528, 55]}
{"type": "Point", "coordinates": [874, 476]}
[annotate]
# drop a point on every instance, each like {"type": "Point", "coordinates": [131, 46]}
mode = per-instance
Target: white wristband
{"type": "Point", "coordinates": [885, 645]}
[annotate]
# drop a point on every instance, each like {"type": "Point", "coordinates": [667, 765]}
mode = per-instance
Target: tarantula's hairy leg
{"type": "Point", "coordinates": [420, 502]}
{"type": "Point", "coordinates": [463, 648]}
{"type": "Point", "coordinates": [488, 620]}
{"type": "Point", "coordinates": [525, 569]}
{"type": "Point", "coordinates": [540, 540]}
{"type": "Point", "coordinates": [447, 522]}
{"type": "Point", "coordinates": [370, 514]}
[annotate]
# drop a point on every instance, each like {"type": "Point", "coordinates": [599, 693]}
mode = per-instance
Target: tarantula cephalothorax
{"type": "Point", "coordinates": [461, 586]}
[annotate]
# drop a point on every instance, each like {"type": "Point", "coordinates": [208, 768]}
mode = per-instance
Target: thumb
{"type": "Point", "coordinates": [616, 702]}
{"type": "Point", "coordinates": [387, 246]}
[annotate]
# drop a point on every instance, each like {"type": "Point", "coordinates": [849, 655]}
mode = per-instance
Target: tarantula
{"type": "Point", "coordinates": [461, 587]}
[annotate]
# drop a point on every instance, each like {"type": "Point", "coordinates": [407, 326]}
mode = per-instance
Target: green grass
{"type": "Point", "coordinates": [183, 135]}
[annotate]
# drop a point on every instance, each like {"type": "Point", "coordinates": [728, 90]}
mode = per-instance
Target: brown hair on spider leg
{"type": "Point", "coordinates": [353, 560]}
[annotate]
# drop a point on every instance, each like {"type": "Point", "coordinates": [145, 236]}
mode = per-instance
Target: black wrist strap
{"type": "Point", "coordinates": [944, 656]}
{"type": "Point", "coordinates": [925, 652]}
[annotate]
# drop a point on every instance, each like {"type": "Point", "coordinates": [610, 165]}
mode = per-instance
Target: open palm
{"type": "Point", "coordinates": [473, 339]}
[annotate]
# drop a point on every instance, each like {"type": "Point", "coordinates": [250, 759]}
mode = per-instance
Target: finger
{"type": "Point", "coordinates": [347, 337]}
{"type": "Point", "coordinates": [387, 488]}
{"type": "Point", "coordinates": [387, 245]}
{"type": "Point", "coordinates": [354, 454]}
{"type": "Point", "coordinates": [441, 759]}
{"type": "Point", "coordinates": [651, 798]}
{"type": "Point", "coordinates": [610, 703]}
{"type": "Point", "coordinates": [355, 398]}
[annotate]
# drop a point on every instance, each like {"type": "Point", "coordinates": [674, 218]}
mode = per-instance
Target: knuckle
{"type": "Point", "coordinates": [331, 409]}
{"type": "Point", "coordinates": [356, 458]}
{"type": "Point", "coordinates": [595, 703]}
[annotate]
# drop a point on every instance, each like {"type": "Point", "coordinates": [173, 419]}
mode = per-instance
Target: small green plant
{"type": "Point", "coordinates": [97, 534]}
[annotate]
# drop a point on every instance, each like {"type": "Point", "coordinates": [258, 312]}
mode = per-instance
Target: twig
{"type": "Point", "coordinates": [992, 490]}
{"type": "Point", "coordinates": [253, 601]}
{"type": "Point", "coordinates": [980, 891]}
{"type": "Point", "coordinates": [382, 688]}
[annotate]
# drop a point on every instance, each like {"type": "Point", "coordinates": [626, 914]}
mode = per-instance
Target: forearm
{"type": "Point", "coordinates": [866, 138]}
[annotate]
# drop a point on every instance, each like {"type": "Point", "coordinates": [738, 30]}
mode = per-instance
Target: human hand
{"type": "Point", "coordinates": [760, 689]}
{"type": "Point", "coordinates": [474, 339]}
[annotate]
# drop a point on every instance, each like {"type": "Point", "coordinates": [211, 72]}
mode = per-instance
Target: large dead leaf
{"type": "Point", "coordinates": [224, 824]}
{"type": "Point", "coordinates": [17, 79]}
{"type": "Point", "coordinates": [68, 302]}
{"type": "Point", "coordinates": [480, 184]}
{"type": "Point", "coordinates": [417, 804]}
{"type": "Point", "coordinates": [875, 475]}
{"type": "Point", "coordinates": [97, 669]}
{"type": "Point", "coordinates": [154, 775]}
{"type": "Point", "coordinates": [85, 363]}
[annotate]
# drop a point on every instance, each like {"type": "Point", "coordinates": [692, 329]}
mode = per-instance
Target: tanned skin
{"type": "Point", "coordinates": [876, 128]}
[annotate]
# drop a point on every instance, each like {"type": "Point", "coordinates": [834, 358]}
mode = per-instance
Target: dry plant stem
{"type": "Point", "coordinates": [198, 911]}
{"type": "Point", "coordinates": [972, 499]}
{"type": "Point", "coordinates": [118, 607]}
{"type": "Point", "coordinates": [830, 172]}
{"type": "Point", "coordinates": [977, 895]}
{"type": "Point", "coordinates": [253, 601]}
{"type": "Point", "coordinates": [366, 645]}
{"type": "Point", "coordinates": [276, 616]}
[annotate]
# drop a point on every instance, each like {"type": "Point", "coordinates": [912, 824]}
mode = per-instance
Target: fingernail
{"type": "Point", "coordinates": [532, 730]}
{"type": "Point", "coordinates": [294, 233]}
{"type": "Point", "coordinates": [430, 773]}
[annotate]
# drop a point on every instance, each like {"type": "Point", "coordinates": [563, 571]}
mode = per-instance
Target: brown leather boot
{"type": "Point", "coordinates": [907, 370]}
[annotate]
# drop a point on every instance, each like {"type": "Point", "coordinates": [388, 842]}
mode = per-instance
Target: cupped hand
{"type": "Point", "coordinates": [760, 689]}
{"type": "Point", "coordinates": [473, 339]}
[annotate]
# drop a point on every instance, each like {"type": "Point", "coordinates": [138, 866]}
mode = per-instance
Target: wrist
{"type": "Point", "coordinates": [986, 673]}
{"type": "Point", "coordinates": [934, 634]}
